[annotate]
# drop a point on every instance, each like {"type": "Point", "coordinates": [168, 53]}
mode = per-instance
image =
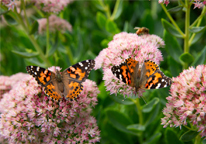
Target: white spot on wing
{"type": "Point", "coordinates": [37, 68]}
{"type": "Point", "coordinates": [163, 80]}
{"type": "Point", "coordinates": [118, 70]}
{"type": "Point", "coordinates": [87, 60]}
{"type": "Point", "coordinates": [80, 64]}
{"type": "Point", "coordinates": [120, 77]}
{"type": "Point", "coordinates": [86, 68]}
{"type": "Point", "coordinates": [158, 86]}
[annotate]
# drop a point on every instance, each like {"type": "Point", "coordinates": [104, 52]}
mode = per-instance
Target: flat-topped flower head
{"type": "Point", "coordinates": [123, 46]}
{"type": "Point", "coordinates": [54, 6]}
{"type": "Point", "coordinates": [30, 116]}
{"type": "Point", "coordinates": [55, 24]}
{"type": "Point", "coordinates": [187, 101]}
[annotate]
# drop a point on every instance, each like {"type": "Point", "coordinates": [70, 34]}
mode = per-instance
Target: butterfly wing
{"type": "Point", "coordinates": [126, 71]}
{"type": "Point", "coordinates": [41, 75]}
{"type": "Point", "coordinates": [152, 77]}
{"type": "Point", "coordinates": [74, 76]}
{"type": "Point", "coordinates": [46, 79]}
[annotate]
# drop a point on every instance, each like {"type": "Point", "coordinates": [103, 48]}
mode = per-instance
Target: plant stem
{"type": "Point", "coordinates": [198, 21]}
{"type": "Point", "coordinates": [197, 139]}
{"type": "Point", "coordinates": [172, 20]}
{"type": "Point", "coordinates": [137, 103]}
{"type": "Point", "coordinates": [32, 39]}
{"type": "Point", "coordinates": [47, 36]}
{"type": "Point", "coordinates": [187, 24]}
{"type": "Point", "coordinates": [38, 49]}
{"type": "Point", "coordinates": [116, 7]}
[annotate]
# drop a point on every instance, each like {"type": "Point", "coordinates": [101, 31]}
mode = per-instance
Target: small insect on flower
{"type": "Point", "coordinates": [148, 77]}
{"type": "Point", "coordinates": [141, 30]}
{"type": "Point", "coordinates": [67, 84]}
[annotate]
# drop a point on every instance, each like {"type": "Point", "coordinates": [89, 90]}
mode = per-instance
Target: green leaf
{"type": "Point", "coordinates": [35, 61]}
{"type": "Point", "coordinates": [172, 46]}
{"type": "Point", "coordinates": [174, 67]}
{"type": "Point", "coordinates": [9, 17]}
{"type": "Point", "coordinates": [171, 137]}
{"type": "Point", "coordinates": [187, 58]}
{"type": "Point", "coordinates": [126, 26]}
{"type": "Point", "coordinates": [149, 106]}
{"type": "Point", "coordinates": [154, 138]}
{"type": "Point", "coordinates": [147, 20]}
{"type": "Point", "coordinates": [197, 37]}
{"type": "Point", "coordinates": [3, 12]}
{"type": "Point", "coordinates": [34, 27]}
{"type": "Point", "coordinates": [101, 20]}
{"type": "Point", "coordinates": [105, 42]}
{"type": "Point", "coordinates": [188, 136]}
{"type": "Point", "coordinates": [115, 136]}
{"type": "Point", "coordinates": [122, 100]}
{"type": "Point", "coordinates": [136, 127]}
{"type": "Point", "coordinates": [117, 9]}
{"type": "Point", "coordinates": [119, 121]}
{"type": "Point", "coordinates": [25, 54]}
{"type": "Point", "coordinates": [175, 9]}
{"type": "Point", "coordinates": [197, 29]}
{"type": "Point", "coordinates": [54, 46]}
{"type": "Point", "coordinates": [112, 27]}
{"type": "Point", "coordinates": [200, 59]}
{"type": "Point", "coordinates": [152, 115]}
{"type": "Point", "coordinates": [170, 28]}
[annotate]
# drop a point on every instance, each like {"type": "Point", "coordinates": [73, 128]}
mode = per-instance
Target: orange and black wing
{"type": "Point", "coordinates": [74, 76]}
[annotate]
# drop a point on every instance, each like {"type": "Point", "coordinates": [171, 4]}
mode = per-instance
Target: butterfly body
{"type": "Point", "coordinates": [67, 84]}
{"type": "Point", "coordinates": [148, 76]}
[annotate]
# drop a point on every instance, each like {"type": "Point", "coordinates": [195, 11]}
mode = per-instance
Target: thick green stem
{"type": "Point", "coordinates": [187, 33]}
{"type": "Point", "coordinates": [137, 103]}
{"type": "Point", "coordinates": [197, 139]}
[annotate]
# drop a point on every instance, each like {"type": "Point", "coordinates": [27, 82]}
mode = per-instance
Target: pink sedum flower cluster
{"type": "Point", "coordinates": [9, 3]}
{"type": "Point", "coordinates": [29, 116]}
{"type": "Point", "coordinates": [199, 3]}
{"type": "Point", "coordinates": [122, 46]}
{"type": "Point", "coordinates": [187, 101]}
{"type": "Point", "coordinates": [166, 2]}
{"type": "Point", "coordinates": [7, 83]}
{"type": "Point", "coordinates": [54, 6]}
{"type": "Point", "coordinates": [55, 24]}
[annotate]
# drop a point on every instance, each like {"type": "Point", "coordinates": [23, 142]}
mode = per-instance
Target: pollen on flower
{"type": "Point", "coordinates": [25, 109]}
{"type": "Point", "coordinates": [187, 101]}
{"type": "Point", "coordinates": [123, 46]}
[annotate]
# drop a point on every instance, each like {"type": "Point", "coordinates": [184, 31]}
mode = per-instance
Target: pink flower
{"type": "Point", "coordinates": [7, 83]}
{"type": "Point", "coordinates": [55, 23]}
{"type": "Point", "coordinates": [29, 116]}
{"type": "Point", "coordinates": [9, 3]}
{"type": "Point", "coordinates": [51, 5]}
{"type": "Point", "coordinates": [122, 46]}
{"type": "Point", "coordinates": [166, 2]}
{"type": "Point", "coordinates": [199, 4]}
{"type": "Point", "coordinates": [187, 101]}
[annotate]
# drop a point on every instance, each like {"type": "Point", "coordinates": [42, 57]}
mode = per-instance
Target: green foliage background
{"type": "Point", "coordinates": [94, 25]}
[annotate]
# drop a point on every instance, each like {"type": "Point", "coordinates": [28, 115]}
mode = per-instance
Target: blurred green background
{"type": "Point", "coordinates": [94, 25]}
